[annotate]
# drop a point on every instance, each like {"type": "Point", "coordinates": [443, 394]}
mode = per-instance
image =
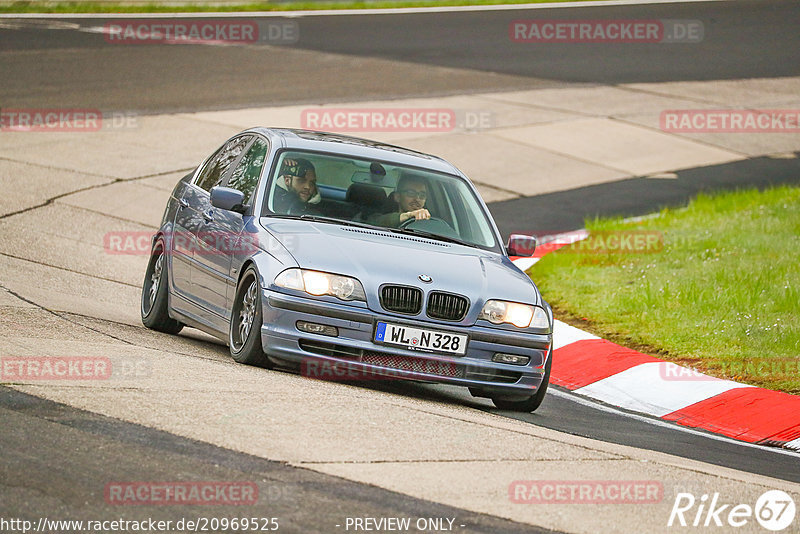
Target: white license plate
{"type": "Point", "coordinates": [420, 338]}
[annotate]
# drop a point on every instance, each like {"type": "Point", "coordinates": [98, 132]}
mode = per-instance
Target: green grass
{"type": "Point", "coordinates": [722, 296]}
{"type": "Point", "coordinates": [155, 7]}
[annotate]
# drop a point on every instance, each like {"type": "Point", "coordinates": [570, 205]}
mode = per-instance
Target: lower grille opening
{"type": "Point", "coordinates": [330, 349]}
{"type": "Point", "coordinates": [493, 375]}
{"type": "Point", "coordinates": [410, 363]}
{"type": "Point", "coordinates": [417, 365]}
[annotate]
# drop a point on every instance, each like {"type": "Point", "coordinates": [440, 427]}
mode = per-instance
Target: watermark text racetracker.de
{"type": "Point", "coordinates": [586, 491]}
{"type": "Point", "coordinates": [606, 31]}
{"type": "Point", "coordinates": [395, 119]}
{"type": "Point", "coordinates": [183, 242]}
{"type": "Point", "coordinates": [64, 120]}
{"type": "Point", "coordinates": [594, 242]}
{"type": "Point", "coordinates": [352, 371]}
{"type": "Point", "coordinates": [762, 367]}
{"type": "Point", "coordinates": [57, 368]}
{"type": "Point", "coordinates": [23, 368]}
{"type": "Point", "coordinates": [730, 121]}
{"type": "Point", "coordinates": [202, 31]}
{"type": "Point", "coordinates": [194, 524]}
{"type": "Point", "coordinates": [207, 493]}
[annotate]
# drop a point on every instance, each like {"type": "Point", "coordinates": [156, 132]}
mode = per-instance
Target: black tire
{"type": "Point", "coordinates": [154, 307]}
{"type": "Point", "coordinates": [244, 337]}
{"type": "Point", "coordinates": [534, 401]}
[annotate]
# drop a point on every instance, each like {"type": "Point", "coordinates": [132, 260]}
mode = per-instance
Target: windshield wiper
{"type": "Point", "coordinates": [345, 222]}
{"type": "Point", "coordinates": [440, 237]}
{"type": "Point", "coordinates": [322, 218]}
{"type": "Point", "coordinates": [334, 220]}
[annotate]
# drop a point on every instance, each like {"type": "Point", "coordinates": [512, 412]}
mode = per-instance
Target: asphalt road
{"type": "Point", "coordinates": [567, 210]}
{"type": "Point", "coordinates": [561, 412]}
{"type": "Point", "coordinates": [356, 58]}
{"type": "Point", "coordinates": [337, 58]}
{"type": "Point", "coordinates": [741, 40]}
{"type": "Point", "coordinates": [77, 454]}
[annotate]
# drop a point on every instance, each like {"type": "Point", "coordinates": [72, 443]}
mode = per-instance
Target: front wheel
{"type": "Point", "coordinates": [246, 320]}
{"type": "Point", "coordinates": [155, 300]}
{"type": "Point", "coordinates": [531, 403]}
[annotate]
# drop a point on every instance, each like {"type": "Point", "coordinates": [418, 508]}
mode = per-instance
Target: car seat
{"type": "Point", "coordinates": [368, 198]}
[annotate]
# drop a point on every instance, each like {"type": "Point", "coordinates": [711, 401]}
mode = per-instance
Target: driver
{"type": "Point", "coordinates": [296, 191]}
{"type": "Point", "coordinates": [407, 200]}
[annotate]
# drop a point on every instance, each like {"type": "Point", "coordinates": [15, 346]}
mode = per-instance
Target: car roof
{"type": "Point", "coordinates": [354, 146]}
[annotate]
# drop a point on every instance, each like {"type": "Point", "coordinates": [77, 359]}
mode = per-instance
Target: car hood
{"type": "Point", "coordinates": [379, 257]}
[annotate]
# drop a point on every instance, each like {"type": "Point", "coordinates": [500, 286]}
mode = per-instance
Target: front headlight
{"type": "Point", "coordinates": [520, 315]}
{"type": "Point", "coordinates": [318, 283]}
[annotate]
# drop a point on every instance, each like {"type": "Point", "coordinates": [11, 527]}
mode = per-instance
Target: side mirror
{"type": "Point", "coordinates": [226, 198]}
{"type": "Point", "coordinates": [521, 245]}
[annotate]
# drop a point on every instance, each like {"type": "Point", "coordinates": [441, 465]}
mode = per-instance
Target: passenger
{"type": "Point", "coordinates": [296, 192]}
{"type": "Point", "coordinates": [406, 202]}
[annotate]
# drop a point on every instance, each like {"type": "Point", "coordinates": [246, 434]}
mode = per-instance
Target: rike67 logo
{"type": "Point", "coordinates": [774, 510]}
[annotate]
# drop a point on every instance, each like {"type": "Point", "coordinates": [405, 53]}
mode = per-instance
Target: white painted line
{"type": "Point", "coordinates": [570, 395]}
{"type": "Point", "coordinates": [567, 238]}
{"type": "Point", "coordinates": [16, 24]}
{"type": "Point", "coordinates": [98, 29]}
{"type": "Point", "coordinates": [641, 218]}
{"type": "Point", "coordinates": [210, 42]}
{"type": "Point", "coordinates": [564, 334]}
{"type": "Point", "coordinates": [525, 263]}
{"type": "Point", "coordinates": [345, 12]}
{"type": "Point", "coordinates": [655, 388]}
{"type": "Point", "coordinates": [795, 444]}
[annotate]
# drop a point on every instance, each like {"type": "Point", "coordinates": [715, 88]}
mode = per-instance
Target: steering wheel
{"type": "Point", "coordinates": [434, 225]}
{"type": "Point", "coordinates": [411, 220]}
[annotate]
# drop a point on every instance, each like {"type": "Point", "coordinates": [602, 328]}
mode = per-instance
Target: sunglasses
{"type": "Point", "coordinates": [422, 195]}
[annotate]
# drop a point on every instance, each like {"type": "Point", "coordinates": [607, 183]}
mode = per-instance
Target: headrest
{"type": "Point", "coordinates": [369, 195]}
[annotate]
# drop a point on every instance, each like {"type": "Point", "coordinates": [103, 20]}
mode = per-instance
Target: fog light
{"type": "Point", "coordinates": [513, 359]}
{"type": "Point", "coordinates": [314, 328]}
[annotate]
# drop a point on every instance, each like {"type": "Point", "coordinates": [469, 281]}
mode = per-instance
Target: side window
{"type": "Point", "coordinates": [245, 175]}
{"type": "Point", "coordinates": [214, 171]}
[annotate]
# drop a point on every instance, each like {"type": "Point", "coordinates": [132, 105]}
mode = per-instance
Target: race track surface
{"type": "Point", "coordinates": [320, 452]}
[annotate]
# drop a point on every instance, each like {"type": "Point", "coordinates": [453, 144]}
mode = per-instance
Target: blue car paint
{"type": "Point", "coordinates": [202, 286]}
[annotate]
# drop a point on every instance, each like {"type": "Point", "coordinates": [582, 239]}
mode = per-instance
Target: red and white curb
{"type": "Point", "coordinates": [596, 368]}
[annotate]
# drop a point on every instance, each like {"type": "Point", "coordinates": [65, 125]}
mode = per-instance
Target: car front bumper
{"type": "Point", "coordinates": [353, 355]}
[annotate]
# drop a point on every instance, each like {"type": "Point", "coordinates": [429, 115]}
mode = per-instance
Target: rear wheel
{"type": "Point", "coordinates": [155, 300]}
{"type": "Point", "coordinates": [246, 320]}
{"type": "Point", "coordinates": [531, 403]}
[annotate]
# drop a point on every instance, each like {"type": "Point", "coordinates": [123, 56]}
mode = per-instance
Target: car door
{"type": "Point", "coordinates": [244, 178]}
{"type": "Point", "coordinates": [220, 236]}
{"type": "Point", "coordinates": [191, 225]}
{"type": "Point", "coordinates": [185, 226]}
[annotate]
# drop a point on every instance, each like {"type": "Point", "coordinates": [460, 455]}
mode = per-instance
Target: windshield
{"type": "Point", "coordinates": [380, 194]}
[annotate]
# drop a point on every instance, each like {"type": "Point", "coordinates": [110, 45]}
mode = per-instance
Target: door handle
{"type": "Point", "coordinates": [184, 203]}
{"type": "Point", "coordinates": [208, 216]}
